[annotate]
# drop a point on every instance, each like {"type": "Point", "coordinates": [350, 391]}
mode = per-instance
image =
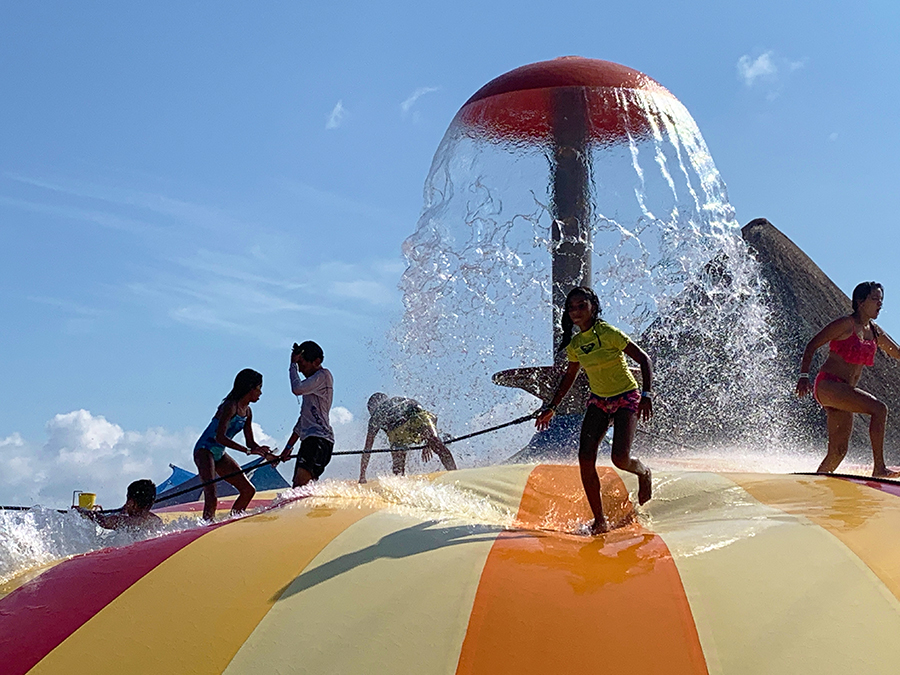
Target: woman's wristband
{"type": "Point", "coordinates": [646, 394]}
{"type": "Point", "coordinates": [804, 376]}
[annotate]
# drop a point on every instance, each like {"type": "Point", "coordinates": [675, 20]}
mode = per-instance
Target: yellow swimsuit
{"type": "Point", "coordinates": [599, 350]}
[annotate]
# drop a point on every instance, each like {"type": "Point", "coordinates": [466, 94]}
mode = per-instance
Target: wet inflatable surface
{"type": "Point", "coordinates": [719, 573]}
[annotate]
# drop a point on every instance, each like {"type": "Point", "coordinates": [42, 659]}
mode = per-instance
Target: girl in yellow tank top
{"type": "Point", "coordinates": [600, 349]}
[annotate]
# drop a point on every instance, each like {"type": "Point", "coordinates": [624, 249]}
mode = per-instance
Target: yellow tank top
{"type": "Point", "coordinates": [599, 350]}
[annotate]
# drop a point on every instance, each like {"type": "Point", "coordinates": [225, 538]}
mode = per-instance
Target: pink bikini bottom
{"type": "Point", "coordinates": [827, 377]}
{"type": "Point", "coordinates": [630, 400]}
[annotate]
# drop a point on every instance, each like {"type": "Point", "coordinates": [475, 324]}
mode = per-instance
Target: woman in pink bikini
{"type": "Point", "coordinates": [852, 343]}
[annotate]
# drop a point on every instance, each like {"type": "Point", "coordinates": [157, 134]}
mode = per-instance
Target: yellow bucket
{"type": "Point", "coordinates": [86, 500]}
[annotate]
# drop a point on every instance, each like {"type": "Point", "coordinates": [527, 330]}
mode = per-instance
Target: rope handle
{"type": "Point", "coordinates": [262, 461]}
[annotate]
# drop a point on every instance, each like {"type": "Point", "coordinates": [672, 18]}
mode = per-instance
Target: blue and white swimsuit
{"type": "Point", "coordinates": [207, 439]}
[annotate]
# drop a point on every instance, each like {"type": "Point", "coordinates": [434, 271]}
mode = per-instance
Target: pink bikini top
{"type": "Point", "coordinates": [855, 351]}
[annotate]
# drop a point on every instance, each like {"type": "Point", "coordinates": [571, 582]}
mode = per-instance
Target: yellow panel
{"type": "Point", "coordinates": [865, 519]}
{"type": "Point", "coordinates": [771, 593]}
{"type": "Point", "coordinates": [402, 595]}
{"type": "Point", "coordinates": [391, 594]}
{"type": "Point", "coordinates": [193, 612]}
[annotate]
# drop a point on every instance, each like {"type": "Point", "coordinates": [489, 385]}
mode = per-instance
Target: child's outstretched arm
{"type": "Point", "coordinates": [289, 448]}
{"type": "Point", "coordinates": [254, 447]}
{"type": "Point", "coordinates": [543, 420]}
{"type": "Point", "coordinates": [645, 411]}
{"type": "Point", "coordinates": [886, 344]}
{"type": "Point", "coordinates": [364, 458]}
{"type": "Point", "coordinates": [226, 411]}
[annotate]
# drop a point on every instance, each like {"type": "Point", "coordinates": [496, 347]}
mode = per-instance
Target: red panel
{"type": "Point", "coordinates": [519, 105]}
{"type": "Point", "coordinates": [884, 486]}
{"type": "Point", "coordinates": [568, 71]}
{"type": "Point", "coordinates": [526, 115]}
{"type": "Point", "coordinates": [38, 616]}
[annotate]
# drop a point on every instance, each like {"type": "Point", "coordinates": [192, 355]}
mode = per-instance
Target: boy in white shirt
{"type": "Point", "coordinates": [313, 429]}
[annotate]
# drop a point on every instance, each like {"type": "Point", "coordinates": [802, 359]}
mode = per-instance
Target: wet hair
{"type": "Point", "coordinates": [244, 382]}
{"type": "Point", "coordinates": [142, 493]}
{"type": "Point", "coordinates": [863, 291]}
{"type": "Point", "coordinates": [567, 324]}
{"type": "Point", "coordinates": [376, 400]}
{"type": "Point", "coordinates": [309, 350]}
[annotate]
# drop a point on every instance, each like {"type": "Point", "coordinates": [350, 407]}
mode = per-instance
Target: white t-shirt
{"type": "Point", "coordinates": [317, 391]}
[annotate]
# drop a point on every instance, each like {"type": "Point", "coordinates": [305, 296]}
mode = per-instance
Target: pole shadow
{"type": "Point", "coordinates": [414, 540]}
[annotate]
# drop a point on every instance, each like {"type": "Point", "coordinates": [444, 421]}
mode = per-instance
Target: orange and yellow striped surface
{"type": "Point", "coordinates": [719, 573]}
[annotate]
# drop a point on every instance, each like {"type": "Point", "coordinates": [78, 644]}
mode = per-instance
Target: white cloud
{"type": "Point", "coordinates": [101, 218]}
{"type": "Point", "coordinates": [206, 287]}
{"type": "Point", "coordinates": [88, 452]}
{"type": "Point", "coordinates": [173, 211]}
{"type": "Point", "coordinates": [65, 305]}
{"type": "Point", "coordinates": [14, 440]}
{"type": "Point", "coordinates": [750, 70]}
{"type": "Point", "coordinates": [768, 72]}
{"type": "Point", "coordinates": [415, 96]}
{"type": "Point", "coordinates": [336, 118]}
{"type": "Point", "coordinates": [340, 415]}
{"type": "Point", "coordinates": [261, 436]}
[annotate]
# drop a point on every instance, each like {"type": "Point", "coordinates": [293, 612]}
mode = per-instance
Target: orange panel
{"type": "Point", "coordinates": [563, 603]}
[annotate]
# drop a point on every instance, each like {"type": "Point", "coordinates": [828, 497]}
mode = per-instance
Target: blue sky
{"type": "Point", "coordinates": [187, 188]}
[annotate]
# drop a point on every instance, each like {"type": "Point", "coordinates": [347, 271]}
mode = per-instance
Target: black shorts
{"type": "Point", "coordinates": [314, 455]}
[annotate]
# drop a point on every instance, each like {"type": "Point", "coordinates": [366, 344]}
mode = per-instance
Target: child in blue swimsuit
{"type": "Point", "coordinates": [210, 454]}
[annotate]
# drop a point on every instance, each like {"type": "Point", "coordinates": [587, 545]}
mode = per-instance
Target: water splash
{"type": "Point", "coordinates": [668, 261]}
{"type": "Point", "coordinates": [36, 537]}
{"type": "Point", "coordinates": [406, 495]}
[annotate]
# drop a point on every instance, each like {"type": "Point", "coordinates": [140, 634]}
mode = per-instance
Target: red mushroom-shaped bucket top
{"type": "Point", "coordinates": [524, 104]}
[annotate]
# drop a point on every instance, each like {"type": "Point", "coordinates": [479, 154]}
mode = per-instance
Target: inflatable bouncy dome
{"type": "Point", "coordinates": [487, 570]}
{"type": "Point", "coordinates": [720, 573]}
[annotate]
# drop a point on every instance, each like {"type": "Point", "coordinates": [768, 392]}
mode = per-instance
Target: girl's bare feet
{"type": "Point", "coordinates": [600, 526]}
{"type": "Point", "coordinates": [885, 473]}
{"type": "Point", "coordinates": [645, 487]}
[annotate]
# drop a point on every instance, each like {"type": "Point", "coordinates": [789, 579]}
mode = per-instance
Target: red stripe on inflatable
{"type": "Point", "coordinates": [37, 617]}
